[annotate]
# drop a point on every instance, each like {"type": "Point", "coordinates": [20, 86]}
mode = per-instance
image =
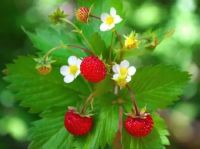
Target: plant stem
{"type": "Point", "coordinates": [110, 48]}
{"type": "Point", "coordinates": [66, 46]}
{"type": "Point", "coordinates": [119, 38]}
{"type": "Point", "coordinates": [79, 31]}
{"type": "Point", "coordinates": [96, 17]}
{"type": "Point", "coordinates": [86, 103]}
{"type": "Point", "coordinates": [121, 44]}
{"type": "Point", "coordinates": [133, 100]}
{"type": "Point", "coordinates": [118, 139]}
{"type": "Point", "coordinates": [83, 49]}
{"type": "Point", "coordinates": [52, 50]}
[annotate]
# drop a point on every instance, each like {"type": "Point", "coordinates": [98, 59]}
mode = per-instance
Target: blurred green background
{"type": "Point", "coordinates": [182, 50]}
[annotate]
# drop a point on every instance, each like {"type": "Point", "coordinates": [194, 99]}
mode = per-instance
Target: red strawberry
{"type": "Point", "coordinates": [93, 69]}
{"type": "Point", "coordinates": [82, 14]}
{"type": "Point", "coordinates": [77, 124]}
{"type": "Point", "coordinates": [139, 126]}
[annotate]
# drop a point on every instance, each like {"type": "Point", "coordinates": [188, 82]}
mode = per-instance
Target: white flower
{"type": "Point", "coordinates": [109, 20]}
{"type": "Point", "coordinates": [72, 71]}
{"type": "Point", "coordinates": [123, 73]}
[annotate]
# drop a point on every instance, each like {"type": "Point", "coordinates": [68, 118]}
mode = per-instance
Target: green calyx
{"type": "Point", "coordinates": [57, 16]}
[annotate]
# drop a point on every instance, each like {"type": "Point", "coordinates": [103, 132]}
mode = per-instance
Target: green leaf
{"type": "Point", "coordinates": [47, 38]}
{"type": "Point", "coordinates": [104, 131]}
{"type": "Point", "coordinates": [49, 132]}
{"type": "Point", "coordinates": [155, 140]}
{"type": "Point", "coordinates": [158, 86]}
{"type": "Point", "coordinates": [98, 45]}
{"type": "Point", "coordinates": [40, 92]}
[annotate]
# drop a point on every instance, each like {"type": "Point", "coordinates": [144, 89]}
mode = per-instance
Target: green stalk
{"type": "Point", "coordinates": [137, 112]}
{"type": "Point", "coordinates": [79, 31]}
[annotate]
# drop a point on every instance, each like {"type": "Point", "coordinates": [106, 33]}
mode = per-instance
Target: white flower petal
{"type": "Point", "coordinates": [115, 76]}
{"type": "Point", "coordinates": [116, 68]}
{"type": "Point", "coordinates": [64, 70]}
{"type": "Point", "coordinates": [77, 73]}
{"type": "Point", "coordinates": [78, 63]}
{"type": "Point", "coordinates": [113, 11]}
{"type": "Point", "coordinates": [69, 78]}
{"type": "Point", "coordinates": [128, 79]}
{"type": "Point", "coordinates": [111, 26]}
{"type": "Point", "coordinates": [117, 19]}
{"type": "Point", "coordinates": [131, 70]}
{"type": "Point", "coordinates": [124, 64]}
{"type": "Point", "coordinates": [72, 60]}
{"type": "Point", "coordinates": [104, 16]}
{"type": "Point", "coordinates": [104, 27]}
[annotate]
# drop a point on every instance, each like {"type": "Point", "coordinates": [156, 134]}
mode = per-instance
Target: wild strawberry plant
{"type": "Point", "coordinates": [87, 85]}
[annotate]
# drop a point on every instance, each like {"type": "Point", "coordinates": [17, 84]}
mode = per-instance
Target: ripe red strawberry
{"type": "Point", "coordinates": [82, 14]}
{"type": "Point", "coordinates": [93, 69]}
{"type": "Point", "coordinates": [77, 124]}
{"type": "Point", "coordinates": [139, 126]}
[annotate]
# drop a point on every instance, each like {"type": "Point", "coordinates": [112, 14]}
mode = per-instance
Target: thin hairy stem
{"type": "Point", "coordinates": [79, 31]}
{"type": "Point", "coordinates": [94, 16]}
{"type": "Point", "coordinates": [110, 48]}
{"type": "Point", "coordinates": [133, 100]}
{"type": "Point", "coordinates": [88, 100]}
{"type": "Point", "coordinates": [83, 49]}
{"type": "Point", "coordinates": [119, 38]}
{"type": "Point", "coordinates": [121, 44]}
{"type": "Point", "coordinates": [66, 47]}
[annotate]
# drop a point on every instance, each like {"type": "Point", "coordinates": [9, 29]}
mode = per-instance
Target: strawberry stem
{"type": "Point", "coordinates": [89, 99]}
{"type": "Point", "coordinates": [83, 49]}
{"type": "Point", "coordinates": [94, 16]}
{"type": "Point", "coordinates": [121, 44]}
{"type": "Point", "coordinates": [66, 46]}
{"type": "Point", "coordinates": [119, 38]}
{"type": "Point", "coordinates": [79, 31]}
{"type": "Point", "coordinates": [110, 48]}
{"type": "Point", "coordinates": [133, 100]}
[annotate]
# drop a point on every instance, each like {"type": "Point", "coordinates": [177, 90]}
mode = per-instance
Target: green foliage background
{"type": "Point", "coordinates": [181, 51]}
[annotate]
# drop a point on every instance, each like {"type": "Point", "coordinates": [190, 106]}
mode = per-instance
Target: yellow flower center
{"type": "Point", "coordinates": [121, 81]}
{"type": "Point", "coordinates": [123, 72]}
{"type": "Point", "coordinates": [109, 20]}
{"type": "Point", "coordinates": [73, 69]}
{"type": "Point", "coordinates": [131, 42]}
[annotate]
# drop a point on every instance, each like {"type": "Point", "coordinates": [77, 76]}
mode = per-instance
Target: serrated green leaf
{"type": "Point", "coordinates": [47, 38]}
{"type": "Point", "coordinates": [49, 132]}
{"type": "Point", "coordinates": [104, 131]}
{"type": "Point", "coordinates": [40, 92]}
{"type": "Point", "coordinates": [158, 86]}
